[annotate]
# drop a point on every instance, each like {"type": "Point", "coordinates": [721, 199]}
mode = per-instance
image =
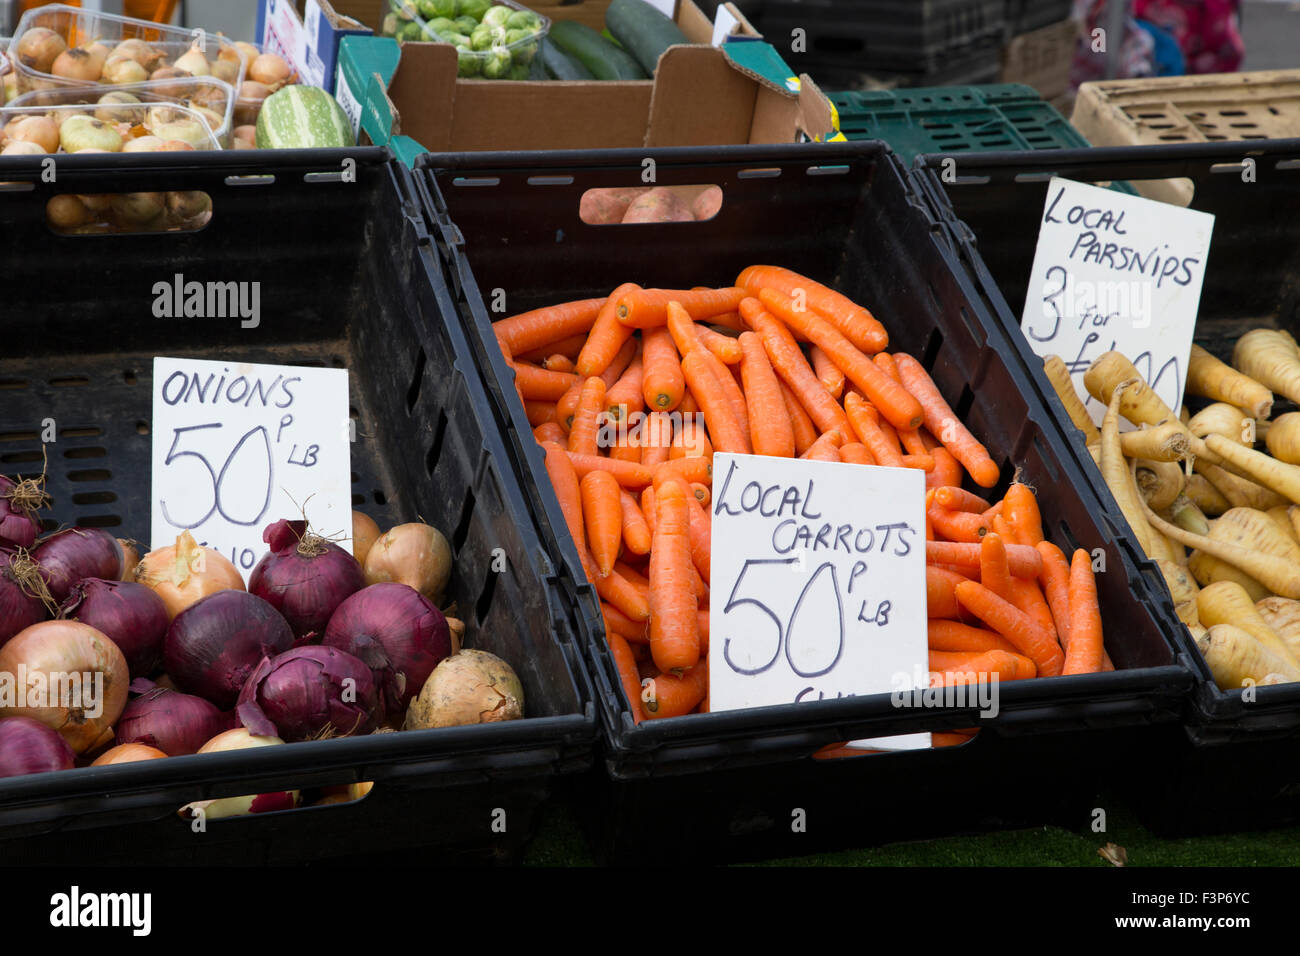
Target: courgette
{"type": "Point", "coordinates": [606, 61]}
{"type": "Point", "coordinates": [560, 66]}
{"type": "Point", "coordinates": [642, 30]}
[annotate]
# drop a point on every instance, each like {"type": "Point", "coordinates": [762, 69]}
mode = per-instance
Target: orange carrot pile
{"type": "Point", "coordinates": [632, 394]}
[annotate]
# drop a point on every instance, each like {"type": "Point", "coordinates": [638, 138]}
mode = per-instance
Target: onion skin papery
{"type": "Point", "coordinates": [185, 572]}
{"type": "Point", "coordinates": [28, 746]}
{"type": "Point", "coordinates": [304, 577]}
{"type": "Point", "coordinates": [19, 505]}
{"type": "Point", "coordinates": [71, 666]}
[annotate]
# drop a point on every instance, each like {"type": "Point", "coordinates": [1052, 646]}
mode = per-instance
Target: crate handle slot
{"type": "Point", "coordinates": [17, 187]}
{"type": "Point", "coordinates": [476, 181]}
{"type": "Point", "coordinates": [334, 176]}
{"type": "Point", "coordinates": [827, 170]}
{"type": "Point", "coordinates": [259, 179]}
{"type": "Point", "coordinates": [550, 180]}
{"type": "Point", "coordinates": [770, 172]}
{"type": "Point", "coordinates": [1282, 165]}
{"type": "Point", "coordinates": [611, 205]}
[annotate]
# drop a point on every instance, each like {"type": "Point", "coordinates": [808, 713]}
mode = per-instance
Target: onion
{"type": "Point", "coordinates": [175, 723]}
{"type": "Point", "coordinates": [171, 73]}
{"type": "Point", "coordinates": [250, 51]}
{"type": "Point", "coordinates": [225, 70]}
{"type": "Point", "coordinates": [131, 551]}
{"type": "Point", "coordinates": [364, 531]}
{"type": "Point", "coordinates": [193, 62]}
{"type": "Point", "coordinates": [270, 70]}
{"type": "Point", "coordinates": [138, 50]}
{"type": "Point", "coordinates": [184, 572]}
{"type": "Point", "coordinates": [68, 556]}
{"type": "Point", "coordinates": [127, 753]}
{"type": "Point", "coordinates": [68, 676]}
{"type": "Point", "coordinates": [84, 66]}
{"type": "Point", "coordinates": [21, 590]}
{"type": "Point", "coordinates": [22, 149]}
{"type": "Point", "coordinates": [28, 746]}
{"type": "Point", "coordinates": [19, 503]}
{"type": "Point", "coordinates": [66, 212]}
{"type": "Point", "coordinates": [310, 693]}
{"type": "Point", "coordinates": [121, 69]}
{"type": "Point", "coordinates": [395, 631]}
{"type": "Point", "coordinates": [213, 645]}
{"type": "Point", "coordinates": [413, 554]}
{"type": "Point", "coordinates": [304, 577]}
{"type": "Point", "coordinates": [37, 129]}
{"type": "Point", "coordinates": [473, 687]}
{"type": "Point", "coordinates": [241, 739]}
{"type": "Point", "coordinates": [39, 47]}
{"type": "Point", "coordinates": [128, 614]}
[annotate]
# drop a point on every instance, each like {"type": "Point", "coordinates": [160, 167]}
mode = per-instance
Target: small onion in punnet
{"type": "Point", "coordinates": [395, 631]}
{"type": "Point", "coordinates": [304, 577]}
{"type": "Point", "coordinates": [310, 693]}
{"type": "Point", "coordinates": [68, 556]}
{"type": "Point", "coordinates": [129, 614]}
{"type": "Point", "coordinates": [127, 753]}
{"type": "Point", "coordinates": [240, 739]}
{"type": "Point", "coordinates": [68, 676]}
{"type": "Point", "coordinates": [28, 746]}
{"type": "Point", "coordinates": [38, 48]}
{"type": "Point", "coordinates": [19, 503]}
{"type": "Point", "coordinates": [270, 70]}
{"type": "Point", "coordinates": [20, 594]}
{"type": "Point", "coordinates": [213, 645]}
{"type": "Point", "coordinates": [175, 723]}
{"type": "Point", "coordinates": [184, 572]}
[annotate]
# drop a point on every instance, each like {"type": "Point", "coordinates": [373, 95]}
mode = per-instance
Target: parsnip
{"type": "Point", "coordinates": [1141, 405]}
{"type": "Point", "coordinates": [1240, 492]}
{"type": "Point", "coordinates": [1164, 442]}
{"type": "Point", "coordinates": [1159, 482]}
{"type": "Point", "coordinates": [1207, 498]}
{"type": "Point", "coordinates": [1209, 377]}
{"type": "Point", "coordinates": [1059, 376]}
{"type": "Point", "coordinates": [1207, 570]}
{"type": "Point", "coordinates": [1226, 420]}
{"type": "Point", "coordinates": [1270, 357]}
{"type": "Point", "coordinates": [1283, 616]}
{"type": "Point", "coordinates": [1228, 603]}
{"type": "Point", "coordinates": [1184, 513]}
{"type": "Point", "coordinates": [1282, 518]}
{"type": "Point", "coordinates": [1181, 585]}
{"type": "Point", "coordinates": [1115, 471]}
{"type": "Point", "coordinates": [1235, 657]}
{"type": "Point", "coordinates": [1283, 438]}
{"type": "Point", "coordinates": [1272, 474]}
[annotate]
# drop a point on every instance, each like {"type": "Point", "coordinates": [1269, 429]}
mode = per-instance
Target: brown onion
{"type": "Point", "coordinates": [241, 739]}
{"type": "Point", "coordinates": [37, 129]}
{"type": "Point", "coordinates": [77, 64]}
{"type": "Point", "coordinates": [270, 70]}
{"type": "Point", "coordinates": [127, 753]}
{"type": "Point", "coordinates": [184, 572]}
{"type": "Point", "coordinates": [412, 554]}
{"type": "Point", "coordinates": [364, 534]}
{"type": "Point", "coordinates": [67, 675]}
{"type": "Point", "coordinates": [39, 47]}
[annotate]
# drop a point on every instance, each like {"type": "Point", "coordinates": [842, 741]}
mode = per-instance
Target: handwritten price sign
{"type": "Point", "coordinates": [1114, 272]}
{"type": "Point", "coordinates": [237, 446]}
{"type": "Point", "coordinates": [818, 582]}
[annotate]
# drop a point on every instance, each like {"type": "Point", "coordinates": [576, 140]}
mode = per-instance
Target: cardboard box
{"type": "Point", "coordinates": [307, 34]}
{"type": "Point", "coordinates": [409, 97]}
{"type": "Point", "coordinates": [1042, 58]}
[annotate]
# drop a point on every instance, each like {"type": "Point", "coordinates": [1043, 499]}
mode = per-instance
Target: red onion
{"type": "Point", "coordinates": [20, 587]}
{"type": "Point", "coordinates": [68, 556]}
{"type": "Point", "coordinates": [28, 746]}
{"type": "Point", "coordinates": [215, 643]}
{"type": "Point", "coordinates": [19, 502]}
{"type": "Point", "coordinates": [304, 577]}
{"type": "Point", "coordinates": [175, 723]}
{"type": "Point", "coordinates": [309, 693]}
{"type": "Point", "coordinates": [395, 631]}
{"type": "Point", "coordinates": [129, 614]}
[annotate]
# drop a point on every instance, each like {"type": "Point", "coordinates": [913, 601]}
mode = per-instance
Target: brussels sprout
{"type": "Point", "coordinates": [431, 9]}
{"type": "Point", "coordinates": [524, 20]}
{"type": "Point", "coordinates": [468, 63]}
{"type": "Point", "coordinates": [482, 39]}
{"type": "Point", "coordinates": [497, 16]}
{"type": "Point", "coordinates": [442, 26]}
{"type": "Point", "coordinates": [457, 40]}
{"type": "Point", "coordinates": [474, 8]}
{"type": "Point", "coordinates": [465, 25]}
{"type": "Point", "coordinates": [526, 50]}
{"type": "Point", "coordinates": [497, 63]}
{"type": "Point", "coordinates": [519, 71]}
{"type": "Point", "coordinates": [405, 9]}
{"type": "Point", "coordinates": [389, 27]}
{"type": "Point", "coordinates": [412, 32]}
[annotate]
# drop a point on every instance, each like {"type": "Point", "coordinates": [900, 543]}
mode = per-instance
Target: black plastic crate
{"type": "Point", "coordinates": [1022, 16]}
{"type": "Point", "coordinates": [894, 36]}
{"type": "Point", "coordinates": [723, 783]}
{"type": "Point", "coordinates": [343, 264]}
{"type": "Point", "coordinates": [992, 210]}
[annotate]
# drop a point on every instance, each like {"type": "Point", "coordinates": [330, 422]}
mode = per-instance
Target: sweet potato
{"type": "Point", "coordinates": [658, 205]}
{"type": "Point", "coordinates": [708, 203]}
{"type": "Point", "coordinates": [602, 207]}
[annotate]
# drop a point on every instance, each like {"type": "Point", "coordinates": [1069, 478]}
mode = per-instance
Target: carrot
{"type": "Point", "coordinates": [1085, 618]}
{"type": "Point", "coordinates": [805, 432]}
{"type": "Point", "coordinates": [827, 372]}
{"type": "Point", "coordinates": [856, 453]}
{"type": "Point", "coordinates": [539, 385]}
{"type": "Point", "coordinates": [724, 347]}
{"type": "Point", "coordinates": [603, 515]}
{"type": "Point", "coordinates": [956, 525]}
{"type": "Point", "coordinates": [718, 414]}
{"type": "Point", "coordinates": [682, 328]}
{"type": "Point", "coordinates": [565, 482]}
{"type": "Point", "coordinates": [629, 474]}
{"type": "Point", "coordinates": [662, 382]}
{"type": "Point", "coordinates": [865, 423]}
{"type": "Point", "coordinates": [691, 441]}
{"type": "Point", "coordinates": [626, 447]}
{"type": "Point", "coordinates": [854, 322]}
{"type": "Point", "coordinates": [674, 628]}
{"type": "Point", "coordinates": [568, 347]}
{"type": "Point", "coordinates": [947, 470]}
{"type": "Point", "coordinates": [584, 432]}
{"type": "Point", "coordinates": [728, 320]}
{"type": "Point", "coordinates": [624, 595]}
{"type": "Point", "coordinates": [671, 695]}
{"type": "Point", "coordinates": [955, 636]}
{"type": "Point", "coordinates": [689, 405]}
{"type": "Point", "coordinates": [944, 425]}
{"type": "Point", "coordinates": [647, 308]}
{"type": "Point", "coordinates": [910, 437]}
{"type": "Point", "coordinates": [702, 621]}
{"type": "Point", "coordinates": [656, 439]}
{"type": "Point", "coordinates": [625, 664]}
{"type": "Point", "coordinates": [648, 508]}
{"type": "Point", "coordinates": [539, 413]}
{"type": "Point", "coordinates": [1013, 624]}
{"type": "Point", "coordinates": [940, 738]}
{"type": "Point", "coordinates": [633, 576]}
{"type": "Point", "coordinates": [567, 406]}
{"type": "Point", "coordinates": [690, 470]}
{"type": "Point", "coordinates": [607, 336]}
{"type": "Point", "coordinates": [531, 330]}
{"type": "Point", "coordinates": [958, 499]}
{"type": "Point", "coordinates": [701, 493]}
{"type": "Point", "coordinates": [558, 363]}
{"type": "Point", "coordinates": [634, 632]}
{"type": "Point", "coordinates": [995, 510]}
{"type": "Point", "coordinates": [1023, 515]}
{"type": "Point", "coordinates": [636, 533]}
{"type": "Point", "coordinates": [994, 574]}
{"type": "Point", "coordinates": [940, 598]}
{"type": "Point", "coordinates": [771, 431]}
{"type": "Point", "coordinates": [728, 378]}
{"type": "Point", "coordinates": [788, 361]}
{"type": "Point", "coordinates": [974, 669]}
{"type": "Point", "coordinates": [892, 400]}
{"type": "Point", "coordinates": [1022, 561]}
{"type": "Point", "coordinates": [1055, 580]}
{"type": "Point", "coordinates": [550, 431]}
{"type": "Point", "coordinates": [1028, 597]}
{"type": "Point", "coordinates": [625, 397]}
{"type": "Point", "coordinates": [825, 448]}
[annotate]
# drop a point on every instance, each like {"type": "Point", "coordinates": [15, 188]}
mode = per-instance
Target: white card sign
{"type": "Point", "coordinates": [1116, 272]}
{"type": "Point", "coordinates": [237, 446]}
{"type": "Point", "coordinates": [817, 583]}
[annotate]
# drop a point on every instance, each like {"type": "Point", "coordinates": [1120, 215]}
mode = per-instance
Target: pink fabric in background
{"type": "Point", "coordinates": [1208, 31]}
